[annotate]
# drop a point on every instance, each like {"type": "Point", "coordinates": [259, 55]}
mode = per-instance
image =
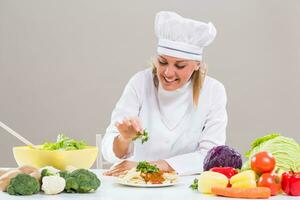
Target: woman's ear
{"type": "Point", "coordinates": [198, 64]}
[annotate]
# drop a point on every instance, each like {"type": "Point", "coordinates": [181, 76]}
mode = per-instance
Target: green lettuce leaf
{"type": "Point", "coordinates": [285, 150]}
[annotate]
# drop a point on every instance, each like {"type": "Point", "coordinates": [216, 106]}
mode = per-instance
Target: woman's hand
{"type": "Point", "coordinates": [162, 165]}
{"type": "Point", "coordinates": [128, 128]}
{"type": "Point", "coordinates": [121, 168]}
{"type": "Point", "coordinates": [126, 165]}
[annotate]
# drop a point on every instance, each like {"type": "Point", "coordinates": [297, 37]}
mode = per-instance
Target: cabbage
{"type": "Point", "coordinates": [222, 156]}
{"type": "Point", "coordinates": [285, 150]}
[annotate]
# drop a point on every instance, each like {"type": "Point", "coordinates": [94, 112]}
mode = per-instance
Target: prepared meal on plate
{"type": "Point", "coordinates": [145, 173]}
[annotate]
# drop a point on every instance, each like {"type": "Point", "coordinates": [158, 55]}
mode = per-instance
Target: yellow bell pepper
{"type": "Point", "coordinates": [245, 179]}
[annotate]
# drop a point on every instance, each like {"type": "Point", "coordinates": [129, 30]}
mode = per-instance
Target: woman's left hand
{"type": "Point", "coordinates": [126, 165]}
{"type": "Point", "coordinates": [162, 165]}
{"type": "Point", "coordinates": [121, 168]}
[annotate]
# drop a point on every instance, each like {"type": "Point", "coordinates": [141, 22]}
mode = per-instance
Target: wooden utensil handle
{"type": "Point", "coordinates": [17, 135]}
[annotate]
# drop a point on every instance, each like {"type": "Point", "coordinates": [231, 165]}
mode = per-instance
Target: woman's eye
{"type": "Point", "coordinates": [180, 66]}
{"type": "Point", "coordinates": [162, 63]}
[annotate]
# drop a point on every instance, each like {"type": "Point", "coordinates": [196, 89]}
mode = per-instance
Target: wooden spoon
{"type": "Point", "coordinates": [17, 135]}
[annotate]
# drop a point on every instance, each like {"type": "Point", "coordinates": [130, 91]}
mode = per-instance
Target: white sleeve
{"type": "Point", "coordinates": [213, 134]}
{"type": "Point", "coordinates": [128, 106]}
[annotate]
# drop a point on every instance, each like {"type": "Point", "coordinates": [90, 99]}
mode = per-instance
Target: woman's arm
{"type": "Point", "coordinates": [114, 146]}
{"type": "Point", "coordinates": [213, 134]}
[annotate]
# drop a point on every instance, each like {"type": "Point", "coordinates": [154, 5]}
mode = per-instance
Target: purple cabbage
{"type": "Point", "coordinates": [222, 156]}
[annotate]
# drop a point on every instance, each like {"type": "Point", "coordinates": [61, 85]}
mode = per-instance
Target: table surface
{"type": "Point", "coordinates": [110, 190]}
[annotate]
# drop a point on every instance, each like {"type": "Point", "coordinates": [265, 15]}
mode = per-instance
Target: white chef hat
{"type": "Point", "coordinates": [181, 37]}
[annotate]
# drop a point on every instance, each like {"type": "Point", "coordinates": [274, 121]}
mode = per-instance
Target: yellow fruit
{"type": "Point", "coordinates": [244, 184]}
{"type": "Point", "coordinates": [209, 179]}
{"type": "Point", "coordinates": [248, 175]}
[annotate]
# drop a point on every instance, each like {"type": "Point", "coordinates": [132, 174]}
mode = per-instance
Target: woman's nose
{"type": "Point", "coordinates": [169, 72]}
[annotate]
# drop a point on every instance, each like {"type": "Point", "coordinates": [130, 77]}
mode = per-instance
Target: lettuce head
{"type": "Point", "coordinates": [285, 150]}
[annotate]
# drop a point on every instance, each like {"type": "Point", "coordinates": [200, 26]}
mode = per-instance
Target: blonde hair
{"type": "Point", "coordinates": [197, 78]}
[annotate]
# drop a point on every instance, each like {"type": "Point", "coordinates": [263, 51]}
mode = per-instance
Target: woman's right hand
{"type": "Point", "coordinates": [128, 128]}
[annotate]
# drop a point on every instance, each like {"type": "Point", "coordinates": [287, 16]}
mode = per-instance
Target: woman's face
{"type": "Point", "coordinates": [174, 72]}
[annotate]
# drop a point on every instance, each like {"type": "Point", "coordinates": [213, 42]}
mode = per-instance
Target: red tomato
{"type": "Point", "coordinates": [271, 181]}
{"type": "Point", "coordinates": [263, 162]}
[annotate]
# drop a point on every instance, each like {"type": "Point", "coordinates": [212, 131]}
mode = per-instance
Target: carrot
{"type": "Point", "coordinates": [249, 193]}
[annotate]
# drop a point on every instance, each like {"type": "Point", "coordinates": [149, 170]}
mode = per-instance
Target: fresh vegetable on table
{"type": "Point", "coordinates": [245, 179]}
{"type": "Point", "coordinates": [81, 181]}
{"type": "Point", "coordinates": [194, 185]}
{"type": "Point", "coordinates": [5, 178]}
{"type": "Point", "coordinates": [47, 171]}
{"type": "Point", "coordinates": [222, 156]}
{"type": "Point", "coordinates": [209, 179]}
{"type": "Point", "coordinates": [64, 174]}
{"type": "Point", "coordinates": [53, 184]}
{"type": "Point", "coordinates": [263, 162]}
{"type": "Point", "coordinates": [290, 183]}
{"type": "Point", "coordinates": [23, 184]}
{"type": "Point", "coordinates": [227, 171]}
{"type": "Point", "coordinates": [285, 150]}
{"type": "Point", "coordinates": [270, 180]}
{"type": "Point", "coordinates": [249, 193]}
{"type": "Point", "coordinates": [144, 136]}
{"type": "Point", "coordinates": [64, 143]}
{"type": "Point", "coordinates": [26, 181]}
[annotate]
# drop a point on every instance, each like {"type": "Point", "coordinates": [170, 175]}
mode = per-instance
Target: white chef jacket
{"type": "Point", "coordinates": [179, 133]}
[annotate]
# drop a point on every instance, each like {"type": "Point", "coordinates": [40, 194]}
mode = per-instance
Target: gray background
{"type": "Point", "coordinates": [64, 64]}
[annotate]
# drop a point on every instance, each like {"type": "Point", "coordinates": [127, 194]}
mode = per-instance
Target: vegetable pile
{"type": "Point", "coordinates": [273, 166]}
{"type": "Point", "coordinates": [64, 143]}
{"type": "Point", "coordinates": [28, 180]}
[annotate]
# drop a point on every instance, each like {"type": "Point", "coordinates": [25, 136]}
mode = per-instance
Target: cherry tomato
{"type": "Point", "coordinates": [263, 162]}
{"type": "Point", "coordinates": [271, 181]}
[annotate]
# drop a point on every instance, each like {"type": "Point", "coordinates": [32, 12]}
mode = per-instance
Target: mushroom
{"type": "Point", "coordinates": [5, 178]}
{"type": "Point", "coordinates": [32, 171]}
{"type": "Point", "coordinates": [27, 169]}
{"type": "Point", "coordinates": [37, 175]}
{"type": "Point", "coordinates": [2, 171]}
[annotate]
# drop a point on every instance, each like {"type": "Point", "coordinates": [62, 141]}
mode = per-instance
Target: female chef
{"type": "Point", "coordinates": [182, 109]}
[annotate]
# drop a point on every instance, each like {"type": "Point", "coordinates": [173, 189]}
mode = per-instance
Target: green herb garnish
{"type": "Point", "coordinates": [64, 143]}
{"type": "Point", "coordinates": [143, 135]}
{"type": "Point", "coordinates": [194, 185]}
{"type": "Point", "coordinates": [146, 167]}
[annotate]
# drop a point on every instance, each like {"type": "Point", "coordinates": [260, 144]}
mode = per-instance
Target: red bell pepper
{"type": "Point", "coordinates": [227, 171]}
{"type": "Point", "coordinates": [290, 183]}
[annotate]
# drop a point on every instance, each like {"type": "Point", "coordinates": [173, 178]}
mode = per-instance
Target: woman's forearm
{"type": "Point", "coordinates": [121, 146]}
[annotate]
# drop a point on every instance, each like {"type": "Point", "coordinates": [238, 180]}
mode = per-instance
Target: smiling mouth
{"type": "Point", "coordinates": [170, 80]}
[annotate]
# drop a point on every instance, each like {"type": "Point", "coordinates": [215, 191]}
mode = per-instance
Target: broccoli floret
{"type": "Point", "coordinates": [47, 172]}
{"type": "Point", "coordinates": [64, 174]}
{"type": "Point", "coordinates": [23, 184]}
{"type": "Point", "coordinates": [81, 181]}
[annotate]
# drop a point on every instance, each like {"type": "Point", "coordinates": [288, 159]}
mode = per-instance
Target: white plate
{"type": "Point", "coordinates": [147, 185]}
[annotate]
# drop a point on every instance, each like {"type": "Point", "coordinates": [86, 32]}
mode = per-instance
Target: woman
{"type": "Point", "coordinates": [182, 109]}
